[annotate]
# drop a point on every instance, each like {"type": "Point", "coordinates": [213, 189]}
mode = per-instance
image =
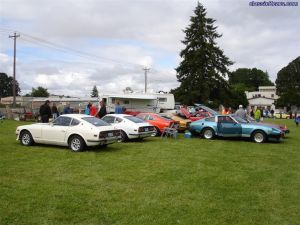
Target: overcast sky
{"type": "Point", "coordinates": [108, 42]}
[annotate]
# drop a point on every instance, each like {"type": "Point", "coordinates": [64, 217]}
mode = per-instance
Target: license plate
{"type": "Point", "coordinates": [110, 134]}
{"type": "Point", "coordinates": [146, 129]}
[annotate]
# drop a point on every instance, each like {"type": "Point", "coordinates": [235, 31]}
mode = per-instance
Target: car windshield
{"type": "Point", "coordinates": [95, 121]}
{"type": "Point", "coordinates": [239, 119]}
{"type": "Point", "coordinates": [134, 119]}
{"type": "Point", "coordinates": [164, 117]}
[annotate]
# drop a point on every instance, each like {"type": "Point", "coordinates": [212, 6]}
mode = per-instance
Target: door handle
{"type": "Point", "coordinates": [63, 131]}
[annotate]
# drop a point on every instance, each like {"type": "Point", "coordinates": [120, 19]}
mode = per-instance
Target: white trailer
{"type": "Point", "coordinates": [139, 102]}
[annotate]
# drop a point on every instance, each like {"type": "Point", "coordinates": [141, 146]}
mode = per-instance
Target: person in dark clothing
{"type": "Point", "coordinates": [54, 110]}
{"type": "Point", "coordinates": [45, 112]}
{"type": "Point", "coordinates": [102, 111]}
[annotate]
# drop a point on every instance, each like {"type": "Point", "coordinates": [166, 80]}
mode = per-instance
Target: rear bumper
{"type": "Point", "coordinates": [142, 134]}
{"type": "Point", "coordinates": [102, 141]}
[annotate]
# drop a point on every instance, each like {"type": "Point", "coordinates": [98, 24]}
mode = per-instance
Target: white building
{"type": "Point", "coordinates": [264, 97]}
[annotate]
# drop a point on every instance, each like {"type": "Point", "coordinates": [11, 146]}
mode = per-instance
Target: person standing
{"type": "Point", "coordinates": [118, 108]}
{"type": "Point", "coordinates": [54, 111]}
{"type": "Point", "coordinates": [241, 112]}
{"type": "Point", "coordinates": [102, 111]}
{"type": "Point", "coordinates": [257, 115]}
{"type": "Point", "coordinates": [88, 109]}
{"type": "Point", "coordinates": [45, 112]}
{"type": "Point", "coordinates": [93, 110]}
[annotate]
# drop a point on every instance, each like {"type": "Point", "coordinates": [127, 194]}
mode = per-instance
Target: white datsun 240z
{"type": "Point", "coordinates": [74, 130]}
{"type": "Point", "coordinates": [131, 127]}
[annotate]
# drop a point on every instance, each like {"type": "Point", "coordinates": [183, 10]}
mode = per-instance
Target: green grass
{"type": "Point", "coordinates": [183, 181]}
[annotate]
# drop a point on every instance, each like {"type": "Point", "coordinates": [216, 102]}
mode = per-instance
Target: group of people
{"type": "Point", "coordinates": [92, 110]}
{"type": "Point", "coordinates": [46, 112]}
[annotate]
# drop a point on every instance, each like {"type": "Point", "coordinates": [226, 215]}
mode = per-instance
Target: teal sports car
{"type": "Point", "coordinates": [234, 126]}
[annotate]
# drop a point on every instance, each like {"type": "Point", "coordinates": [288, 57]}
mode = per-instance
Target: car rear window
{"type": "Point", "coordinates": [134, 119]}
{"type": "Point", "coordinates": [95, 121]}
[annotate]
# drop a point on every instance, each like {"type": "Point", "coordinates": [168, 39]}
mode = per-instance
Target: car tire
{"type": "Point", "coordinates": [26, 138]}
{"type": "Point", "coordinates": [124, 136]}
{"type": "Point", "coordinates": [76, 143]}
{"type": "Point", "coordinates": [208, 133]}
{"type": "Point", "coordinates": [259, 136]}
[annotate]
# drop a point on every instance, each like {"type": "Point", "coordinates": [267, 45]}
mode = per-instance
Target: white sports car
{"type": "Point", "coordinates": [131, 127]}
{"type": "Point", "coordinates": [73, 130]}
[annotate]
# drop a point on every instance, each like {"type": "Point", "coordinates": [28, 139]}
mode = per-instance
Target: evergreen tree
{"type": "Point", "coordinates": [203, 68]}
{"type": "Point", "coordinates": [288, 84]}
{"type": "Point", "coordinates": [94, 92]}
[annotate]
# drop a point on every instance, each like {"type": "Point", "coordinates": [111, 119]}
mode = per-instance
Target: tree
{"type": "Point", "coordinates": [288, 84]}
{"type": "Point", "coordinates": [203, 68]}
{"type": "Point", "coordinates": [94, 92]}
{"type": "Point", "coordinates": [250, 78]}
{"type": "Point", "coordinates": [128, 90]}
{"type": "Point", "coordinates": [6, 86]}
{"type": "Point", "coordinates": [39, 92]}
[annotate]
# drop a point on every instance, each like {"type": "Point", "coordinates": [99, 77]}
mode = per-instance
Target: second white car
{"type": "Point", "coordinates": [131, 127]}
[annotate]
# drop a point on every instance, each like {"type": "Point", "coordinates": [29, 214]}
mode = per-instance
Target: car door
{"type": "Point", "coordinates": [228, 127]}
{"type": "Point", "coordinates": [55, 133]}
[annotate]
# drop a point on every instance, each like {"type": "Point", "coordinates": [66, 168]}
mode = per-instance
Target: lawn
{"type": "Point", "coordinates": [183, 181]}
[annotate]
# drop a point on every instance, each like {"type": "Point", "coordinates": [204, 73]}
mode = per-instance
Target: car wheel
{"type": "Point", "coordinates": [208, 133]}
{"type": "Point", "coordinates": [26, 138]}
{"type": "Point", "coordinates": [76, 143]}
{"type": "Point", "coordinates": [124, 136]}
{"type": "Point", "coordinates": [259, 137]}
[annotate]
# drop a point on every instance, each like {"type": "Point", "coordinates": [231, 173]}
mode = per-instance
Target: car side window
{"type": "Point", "coordinates": [151, 118]}
{"type": "Point", "coordinates": [118, 120]}
{"type": "Point", "coordinates": [109, 119]}
{"type": "Point", "coordinates": [62, 121]}
{"type": "Point", "coordinates": [225, 119]}
{"type": "Point", "coordinates": [75, 122]}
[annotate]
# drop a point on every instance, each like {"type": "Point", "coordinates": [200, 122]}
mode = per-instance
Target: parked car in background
{"type": "Point", "coordinates": [159, 122]}
{"type": "Point", "coordinates": [130, 127]}
{"type": "Point", "coordinates": [279, 115]}
{"type": "Point", "coordinates": [183, 123]}
{"type": "Point", "coordinates": [184, 113]}
{"type": "Point", "coordinates": [234, 126]}
{"type": "Point", "coordinates": [74, 130]}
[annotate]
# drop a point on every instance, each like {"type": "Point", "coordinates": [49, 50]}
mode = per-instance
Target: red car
{"type": "Point", "coordinates": [187, 115]}
{"type": "Point", "coordinates": [159, 122]}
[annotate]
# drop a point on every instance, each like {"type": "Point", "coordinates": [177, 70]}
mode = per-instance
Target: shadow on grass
{"type": "Point", "coordinates": [243, 139]}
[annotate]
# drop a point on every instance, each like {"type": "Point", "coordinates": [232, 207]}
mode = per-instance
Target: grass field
{"type": "Point", "coordinates": [183, 181]}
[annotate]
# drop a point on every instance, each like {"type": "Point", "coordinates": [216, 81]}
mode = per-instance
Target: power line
{"type": "Point", "coordinates": [65, 49]}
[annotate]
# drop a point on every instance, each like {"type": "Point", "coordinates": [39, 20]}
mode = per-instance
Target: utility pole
{"type": "Point", "coordinates": [146, 70]}
{"type": "Point", "coordinates": [15, 36]}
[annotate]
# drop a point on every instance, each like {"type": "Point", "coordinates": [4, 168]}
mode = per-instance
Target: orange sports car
{"type": "Point", "coordinates": [159, 122]}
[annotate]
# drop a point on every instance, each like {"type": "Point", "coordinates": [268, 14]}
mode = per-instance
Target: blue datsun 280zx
{"type": "Point", "coordinates": [234, 126]}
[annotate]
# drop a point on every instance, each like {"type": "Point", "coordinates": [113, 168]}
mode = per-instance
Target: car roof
{"type": "Point", "coordinates": [119, 115]}
{"type": "Point", "coordinates": [77, 116]}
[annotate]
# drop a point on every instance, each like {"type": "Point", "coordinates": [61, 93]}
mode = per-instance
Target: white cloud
{"type": "Point", "coordinates": [145, 32]}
